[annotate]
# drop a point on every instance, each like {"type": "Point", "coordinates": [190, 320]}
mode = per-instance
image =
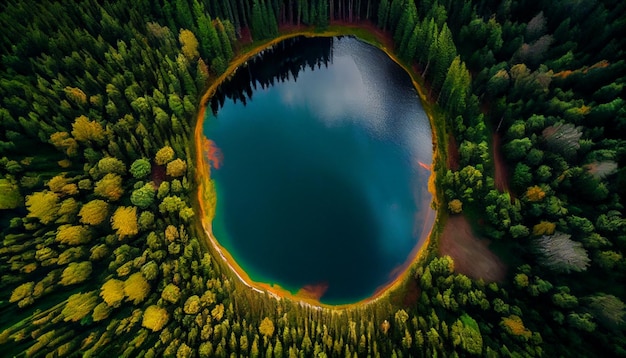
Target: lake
{"type": "Point", "coordinates": [325, 155]}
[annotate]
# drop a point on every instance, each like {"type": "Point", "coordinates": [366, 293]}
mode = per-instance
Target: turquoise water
{"type": "Point", "coordinates": [321, 181]}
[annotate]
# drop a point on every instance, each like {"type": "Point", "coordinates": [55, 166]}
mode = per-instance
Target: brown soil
{"type": "Point", "coordinates": [471, 254]}
{"type": "Point", "coordinates": [500, 170]}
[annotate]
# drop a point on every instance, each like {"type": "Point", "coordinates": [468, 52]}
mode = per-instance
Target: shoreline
{"type": "Point", "coordinates": [203, 177]}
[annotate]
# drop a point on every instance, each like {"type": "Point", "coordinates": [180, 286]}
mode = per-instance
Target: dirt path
{"type": "Point", "coordinates": [471, 254]}
{"type": "Point", "coordinates": [453, 153]}
{"type": "Point", "coordinates": [500, 175]}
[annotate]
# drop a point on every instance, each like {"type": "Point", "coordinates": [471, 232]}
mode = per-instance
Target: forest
{"type": "Point", "coordinates": [102, 252]}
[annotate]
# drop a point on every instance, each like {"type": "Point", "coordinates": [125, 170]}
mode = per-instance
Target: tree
{"type": "Point", "coordinates": [10, 198]}
{"type": "Point", "coordinates": [112, 292]}
{"type": "Point", "coordinates": [136, 288]}
{"type": "Point", "coordinates": [63, 142]}
{"type": "Point", "coordinates": [561, 254]}
{"type": "Point", "coordinates": [171, 293]}
{"type": "Point", "coordinates": [455, 206]}
{"type": "Point", "coordinates": [518, 231]}
{"type": "Point", "coordinates": [73, 235]}
{"type": "Point", "coordinates": [544, 228]}
{"type": "Point", "coordinates": [266, 328]}
{"type": "Point", "coordinates": [79, 305]}
{"type": "Point", "coordinates": [192, 305]}
{"type": "Point", "coordinates": [582, 321]}
{"type": "Point", "coordinates": [176, 168]}
{"type": "Point", "coordinates": [94, 212]}
{"type": "Point", "coordinates": [144, 196]}
{"type": "Point", "coordinates": [23, 294]}
{"type": "Point", "coordinates": [140, 168]}
{"type": "Point", "coordinates": [60, 185]}
{"type": "Point", "coordinates": [155, 318]}
{"type": "Point", "coordinates": [101, 312]}
{"type": "Point", "coordinates": [514, 325]}
{"type": "Point", "coordinates": [608, 309]}
{"type": "Point", "coordinates": [189, 44]}
{"type": "Point", "coordinates": [76, 272]}
{"type": "Point", "coordinates": [534, 194]}
{"type": "Point", "coordinates": [164, 155]}
{"type": "Point", "coordinates": [124, 220]}
{"type": "Point", "coordinates": [109, 187]}
{"type": "Point", "coordinates": [563, 138]}
{"type": "Point", "coordinates": [111, 165]}
{"type": "Point", "coordinates": [87, 131]}
{"type": "Point", "coordinates": [42, 206]}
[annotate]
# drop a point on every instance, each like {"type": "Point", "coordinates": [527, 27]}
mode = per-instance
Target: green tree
{"type": "Point", "coordinates": [143, 197]}
{"type": "Point", "coordinates": [140, 168]}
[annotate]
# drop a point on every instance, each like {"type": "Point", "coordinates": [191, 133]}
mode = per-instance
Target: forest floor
{"type": "Point", "coordinates": [471, 254]}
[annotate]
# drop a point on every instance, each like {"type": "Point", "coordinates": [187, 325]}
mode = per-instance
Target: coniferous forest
{"type": "Point", "coordinates": [102, 252]}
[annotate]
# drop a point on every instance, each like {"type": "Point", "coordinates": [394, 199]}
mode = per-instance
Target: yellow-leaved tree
{"type": "Point", "coordinates": [534, 194]}
{"type": "Point", "coordinates": [515, 326]}
{"type": "Point", "coordinates": [109, 187]}
{"type": "Point", "coordinates": [124, 220]}
{"type": "Point", "coordinates": [23, 294]}
{"type": "Point", "coordinates": [61, 185]}
{"type": "Point", "coordinates": [164, 155]}
{"type": "Point", "coordinates": [63, 142]}
{"type": "Point", "coordinates": [189, 44]}
{"type": "Point", "coordinates": [76, 95]}
{"type": "Point", "coordinates": [544, 228]}
{"type": "Point", "coordinates": [76, 272]}
{"type": "Point", "coordinates": [112, 292]}
{"type": "Point", "coordinates": [176, 168]}
{"type": "Point", "coordinates": [79, 305]}
{"type": "Point", "coordinates": [43, 206]}
{"type": "Point", "coordinates": [101, 312]}
{"type": "Point", "coordinates": [73, 235]}
{"type": "Point", "coordinates": [136, 288]}
{"type": "Point", "coordinates": [155, 318]}
{"type": "Point", "coordinates": [85, 130]}
{"type": "Point", "coordinates": [94, 212]}
{"type": "Point", "coordinates": [266, 328]}
{"type": "Point", "coordinates": [455, 206]}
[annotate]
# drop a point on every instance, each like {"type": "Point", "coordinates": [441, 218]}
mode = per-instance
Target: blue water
{"type": "Point", "coordinates": [320, 180]}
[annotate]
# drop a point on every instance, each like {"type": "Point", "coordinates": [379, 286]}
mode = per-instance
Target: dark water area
{"type": "Point", "coordinates": [324, 176]}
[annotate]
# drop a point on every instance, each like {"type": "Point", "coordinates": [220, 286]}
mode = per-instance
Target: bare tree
{"type": "Point", "coordinates": [563, 138]}
{"type": "Point", "coordinates": [559, 253]}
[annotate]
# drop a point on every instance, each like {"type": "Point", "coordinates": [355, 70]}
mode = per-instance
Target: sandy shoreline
{"type": "Point", "coordinates": [203, 178]}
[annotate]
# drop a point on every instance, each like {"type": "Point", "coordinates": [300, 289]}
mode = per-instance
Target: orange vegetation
{"type": "Point", "coordinates": [314, 291]}
{"type": "Point", "coordinates": [424, 165]}
{"type": "Point", "coordinates": [212, 153]}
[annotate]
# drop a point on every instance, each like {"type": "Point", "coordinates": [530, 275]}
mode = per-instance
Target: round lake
{"type": "Point", "coordinates": [326, 152]}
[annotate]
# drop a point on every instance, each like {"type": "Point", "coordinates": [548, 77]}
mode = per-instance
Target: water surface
{"type": "Point", "coordinates": [323, 179]}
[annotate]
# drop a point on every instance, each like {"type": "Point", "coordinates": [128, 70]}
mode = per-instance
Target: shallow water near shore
{"type": "Point", "coordinates": [323, 180]}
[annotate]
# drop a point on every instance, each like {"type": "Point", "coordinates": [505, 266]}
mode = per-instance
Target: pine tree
{"type": "Point", "coordinates": [383, 14]}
